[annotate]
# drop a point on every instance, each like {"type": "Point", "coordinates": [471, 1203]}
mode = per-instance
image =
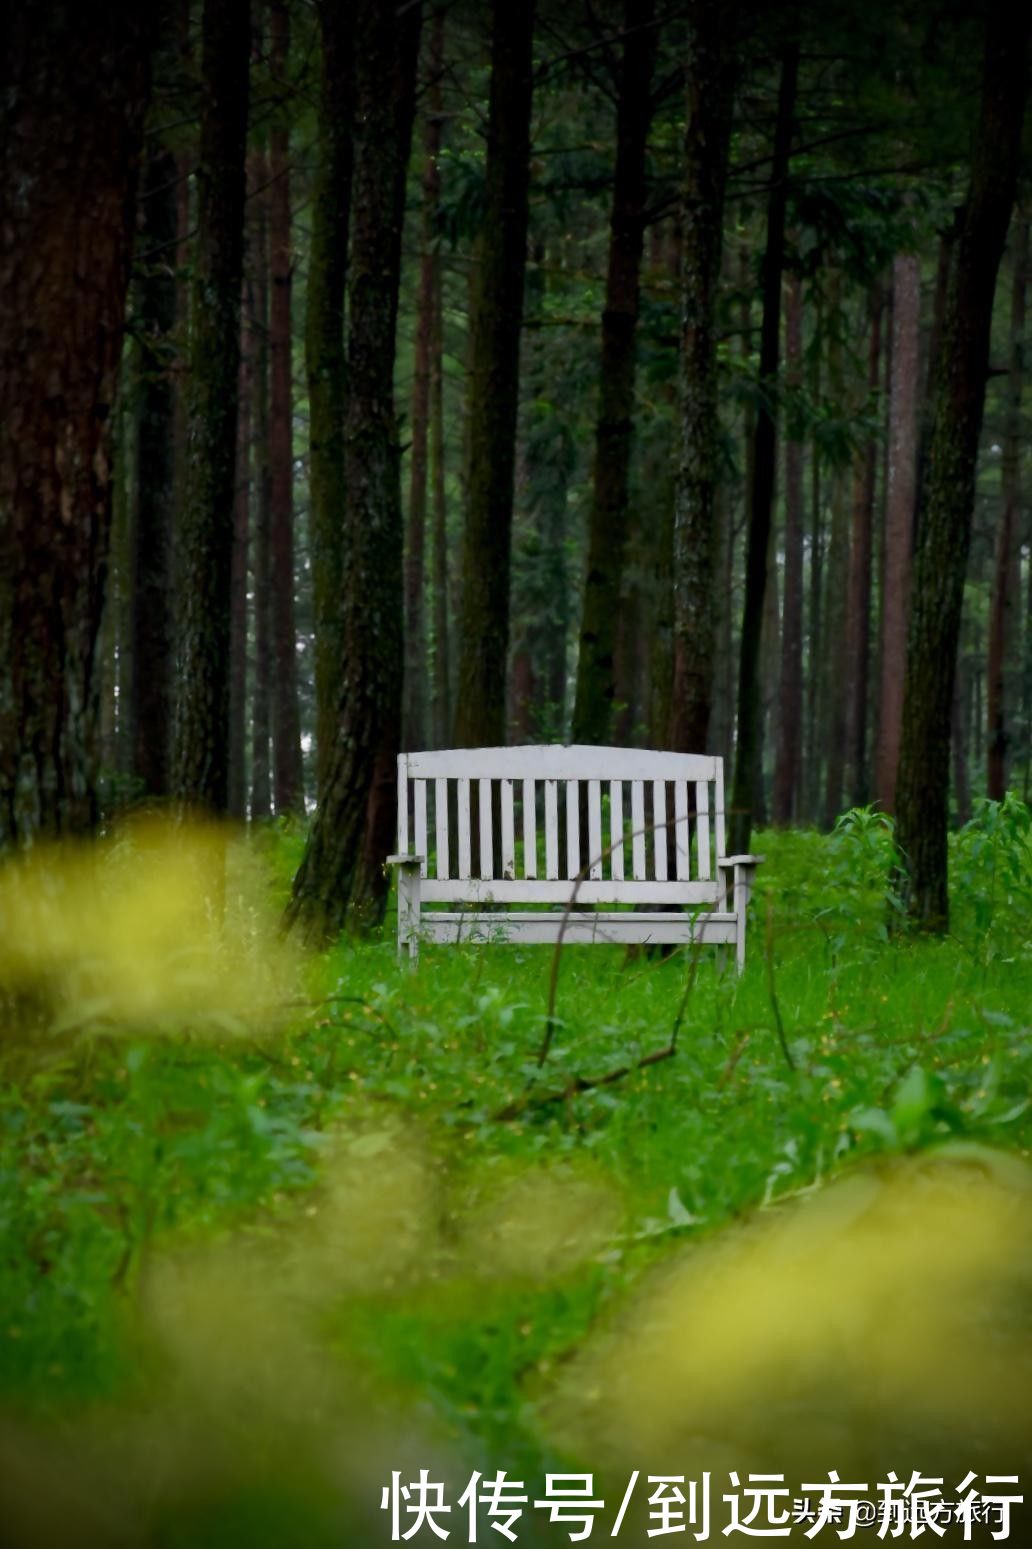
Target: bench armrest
{"type": "Point", "coordinates": [742, 860]}
{"type": "Point", "coordinates": [404, 860]}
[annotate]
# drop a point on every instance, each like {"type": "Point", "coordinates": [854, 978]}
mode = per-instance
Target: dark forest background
{"type": "Point", "coordinates": [387, 375]}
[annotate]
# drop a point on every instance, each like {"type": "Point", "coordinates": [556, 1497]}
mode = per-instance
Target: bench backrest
{"type": "Point", "coordinates": [518, 824]}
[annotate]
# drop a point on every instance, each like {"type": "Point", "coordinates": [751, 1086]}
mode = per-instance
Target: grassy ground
{"type": "Point", "coordinates": [380, 1193]}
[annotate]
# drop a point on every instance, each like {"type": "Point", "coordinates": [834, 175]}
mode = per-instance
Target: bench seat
{"type": "Point", "coordinates": [522, 844]}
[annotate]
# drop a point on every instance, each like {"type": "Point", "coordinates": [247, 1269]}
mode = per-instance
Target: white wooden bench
{"type": "Point", "coordinates": [663, 846]}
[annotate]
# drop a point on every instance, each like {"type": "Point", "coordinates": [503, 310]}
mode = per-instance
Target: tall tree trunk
{"type": "Point", "coordinates": [786, 769]}
{"type": "Point", "coordinates": [495, 318]}
{"type": "Point", "coordinates": [944, 528]}
{"type": "Point", "coordinates": [261, 545]}
{"type": "Point", "coordinates": [150, 696]}
{"type": "Point", "coordinates": [763, 481]}
{"type": "Point", "coordinates": [442, 628]}
{"type": "Point", "coordinates": [899, 519]}
{"type": "Point", "coordinates": [414, 714]}
{"type": "Point", "coordinates": [239, 609]}
{"type": "Point", "coordinates": [858, 603]}
{"type": "Point", "coordinates": [326, 366]}
{"type": "Point", "coordinates": [610, 506]}
{"type": "Point", "coordinates": [815, 638]}
{"type": "Point", "coordinates": [201, 763]}
{"type": "Point", "coordinates": [341, 874]}
{"type": "Point", "coordinates": [1003, 612]}
{"type": "Point", "coordinates": [709, 106]}
{"type": "Point", "coordinates": [71, 124]}
{"type": "Point", "coordinates": [288, 772]}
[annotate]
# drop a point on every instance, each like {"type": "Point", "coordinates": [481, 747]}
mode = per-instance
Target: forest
{"type": "Point", "coordinates": [380, 376]}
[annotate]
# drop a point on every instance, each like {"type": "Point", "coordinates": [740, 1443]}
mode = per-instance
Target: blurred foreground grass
{"type": "Point", "coordinates": [265, 1237]}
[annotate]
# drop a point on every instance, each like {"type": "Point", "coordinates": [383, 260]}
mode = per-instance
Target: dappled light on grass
{"type": "Point", "coordinates": [884, 1321]}
{"type": "Point", "coordinates": [160, 927]}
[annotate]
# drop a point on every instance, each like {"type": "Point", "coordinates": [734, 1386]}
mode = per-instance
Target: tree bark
{"type": "Point", "coordinates": [1005, 600]}
{"type": "Point", "coordinates": [201, 764]}
{"type": "Point", "coordinates": [899, 519]}
{"type": "Point", "coordinates": [858, 602]}
{"type": "Point", "coordinates": [239, 610]}
{"type": "Point", "coordinates": [709, 107]}
{"type": "Point", "coordinates": [442, 591]}
{"type": "Point", "coordinates": [151, 656]}
{"type": "Point", "coordinates": [614, 430]}
{"type": "Point", "coordinates": [786, 768]}
{"type": "Point", "coordinates": [495, 319]}
{"type": "Point", "coordinates": [414, 715]}
{"type": "Point", "coordinates": [341, 874]}
{"type": "Point", "coordinates": [261, 547]}
{"type": "Point", "coordinates": [326, 365]}
{"type": "Point", "coordinates": [287, 768]}
{"type": "Point", "coordinates": [944, 528]}
{"type": "Point", "coordinates": [763, 481]}
{"type": "Point", "coordinates": [76, 81]}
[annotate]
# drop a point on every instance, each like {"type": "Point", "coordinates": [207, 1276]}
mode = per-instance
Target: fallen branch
{"type": "Point", "coordinates": [578, 1084]}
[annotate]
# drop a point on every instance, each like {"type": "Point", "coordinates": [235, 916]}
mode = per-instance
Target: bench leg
{"type": "Point", "coordinates": [408, 911]}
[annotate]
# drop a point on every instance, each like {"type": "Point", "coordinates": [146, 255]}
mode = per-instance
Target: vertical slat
{"type": "Point", "coordinates": [702, 827]}
{"type": "Point", "coordinates": [659, 840]}
{"type": "Point", "coordinates": [403, 848]}
{"type": "Point", "coordinates": [595, 829]}
{"type": "Point", "coordinates": [529, 831]}
{"type": "Point", "coordinates": [572, 829]}
{"type": "Point", "coordinates": [681, 836]}
{"type": "Point", "coordinates": [420, 792]}
{"type": "Point", "coordinates": [638, 829]}
{"type": "Point", "coordinates": [616, 870]}
{"type": "Point", "coordinates": [464, 827]}
{"type": "Point", "coordinates": [718, 810]}
{"type": "Point", "coordinates": [486, 832]}
{"type": "Point", "coordinates": [508, 834]}
{"type": "Point", "coordinates": [441, 827]}
{"type": "Point", "coordinates": [551, 831]}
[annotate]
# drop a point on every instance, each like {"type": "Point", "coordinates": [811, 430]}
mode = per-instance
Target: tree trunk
{"type": "Point", "coordinates": [1003, 611]}
{"type": "Point", "coordinates": [763, 481]}
{"type": "Point", "coordinates": [414, 715]}
{"type": "Point", "coordinates": [341, 874]}
{"type": "Point", "coordinates": [201, 764]}
{"type": "Point", "coordinates": [288, 772]}
{"type": "Point", "coordinates": [944, 528]}
{"type": "Point", "coordinates": [71, 124]}
{"type": "Point", "coordinates": [239, 610]}
{"type": "Point", "coordinates": [899, 519]}
{"type": "Point", "coordinates": [150, 697]}
{"type": "Point", "coordinates": [261, 563]}
{"type": "Point", "coordinates": [495, 318]}
{"type": "Point", "coordinates": [709, 107]}
{"type": "Point", "coordinates": [326, 366]}
{"type": "Point", "coordinates": [858, 602]}
{"type": "Point", "coordinates": [442, 592]}
{"type": "Point", "coordinates": [786, 770]}
{"type": "Point", "coordinates": [610, 507]}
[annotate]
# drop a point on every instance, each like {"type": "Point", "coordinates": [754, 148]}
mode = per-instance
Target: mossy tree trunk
{"type": "Point", "coordinates": [76, 82]}
{"type": "Point", "coordinates": [947, 500]}
{"type": "Point", "coordinates": [341, 874]}
{"type": "Point", "coordinates": [790, 725]}
{"type": "Point", "coordinates": [205, 543]}
{"type": "Point", "coordinates": [499, 263]}
{"type": "Point", "coordinates": [610, 506]}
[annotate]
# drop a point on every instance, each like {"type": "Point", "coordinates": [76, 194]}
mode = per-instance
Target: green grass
{"type": "Point", "coordinates": [117, 1149]}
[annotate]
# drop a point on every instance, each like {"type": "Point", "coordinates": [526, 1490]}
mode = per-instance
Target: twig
{"type": "Point", "coordinates": [733, 1058]}
{"type": "Point", "coordinates": [578, 1084]}
{"type": "Point", "coordinates": [771, 989]}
